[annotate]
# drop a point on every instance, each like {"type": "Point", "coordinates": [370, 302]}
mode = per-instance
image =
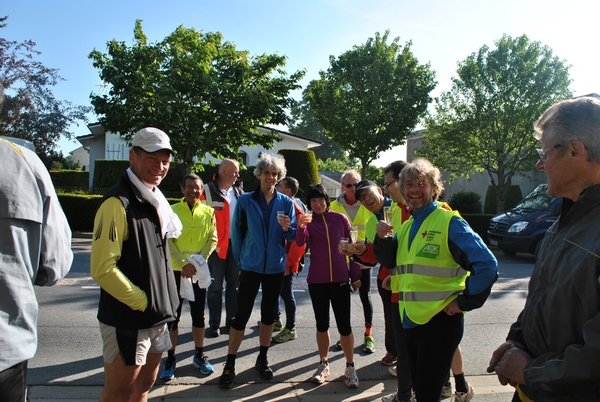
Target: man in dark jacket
{"type": "Point", "coordinates": [552, 351]}
{"type": "Point", "coordinates": [130, 261]}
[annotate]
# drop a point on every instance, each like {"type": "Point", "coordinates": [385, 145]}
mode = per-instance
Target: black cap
{"type": "Point", "coordinates": [362, 186]}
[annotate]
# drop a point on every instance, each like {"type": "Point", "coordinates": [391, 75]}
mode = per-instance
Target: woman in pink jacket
{"type": "Point", "coordinates": [330, 281]}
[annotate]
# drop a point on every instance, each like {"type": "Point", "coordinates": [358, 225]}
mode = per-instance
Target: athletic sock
{"type": "Point", "coordinates": [263, 352]}
{"type": "Point", "coordinates": [460, 383]}
{"type": "Point", "coordinates": [199, 352]}
{"type": "Point", "coordinates": [230, 360]}
{"type": "Point", "coordinates": [349, 364]}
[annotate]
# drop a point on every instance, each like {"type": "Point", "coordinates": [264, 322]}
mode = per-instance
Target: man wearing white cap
{"type": "Point", "coordinates": [130, 261]}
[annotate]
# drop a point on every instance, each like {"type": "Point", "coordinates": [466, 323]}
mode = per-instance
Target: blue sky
{"type": "Point", "coordinates": [443, 32]}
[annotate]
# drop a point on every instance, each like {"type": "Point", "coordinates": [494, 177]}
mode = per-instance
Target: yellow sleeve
{"type": "Point", "coordinates": [110, 230]}
{"type": "Point", "coordinates": [211, 244]}
{"type": "Point", "coordinates": [177, 258]}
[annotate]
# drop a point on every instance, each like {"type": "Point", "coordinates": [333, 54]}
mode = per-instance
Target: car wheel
{"type": "Point", "coordinates": [509, 253]}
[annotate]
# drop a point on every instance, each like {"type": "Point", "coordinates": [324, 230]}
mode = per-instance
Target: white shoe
{"type": "Point", "coordinates": [351, 377]}
{"type": "Point", "coordinates": [463, 396]}
{"type": "Point", "coordinates": [447, 391]}
{"type": "Point", "coordinates": [391, 398]}
{"type": "Point", "coordinates": [322, 372]}
{"type": "Point", "coordinates": [393, 371]}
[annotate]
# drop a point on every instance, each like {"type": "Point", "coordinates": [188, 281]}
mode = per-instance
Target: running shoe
{"type": "Point", "coordinates": [369, 344]}
{"type": "Point", "coordinates": [169, 371]}
{"type": "Point", "coordinates": [262, 366]}
{"type": "Point", "coordinates": [322, 372]}
{"type": "Point", "coordinates": [226, 379]}
{"type": "Point", "coordinates": [463, 396]}
{"type": "Point", "coordinates": [388, 360]}
{"type": "Point", "coordinates": [285, 335]}
{"type": "Point", "coordinates": [202, 363]}
{"type": "Point", "coordinates": [447, 391]}
{"type": "Point", "coordinates": [351, 377]}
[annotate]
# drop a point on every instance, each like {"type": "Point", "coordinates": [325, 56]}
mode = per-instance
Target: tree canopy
{"type": "Point", "coordinates": [485, 122]}
{"type": "Point", "coordinates": [205, 94]}
{"type": "Point", "coordinates": [304, 123]}
{"type": "Point", "coordinates": [29, 110]}
{"type": "Point", "coordinates": [371, 97]}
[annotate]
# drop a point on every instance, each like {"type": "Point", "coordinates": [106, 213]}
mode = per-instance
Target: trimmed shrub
{"type": "Point", "coordinates": [513, 197]}
{"type": "Point", "coordinates": [301, 165]}
{"type": "Point", "coordinates": [69, 179]}
{"type": "Point", "coordinates": [108, 172]}
{"type": "Point", "coordinates": [479, 223]}
{"type": "Point", "coordinates": [80, 210]}
{"type": "Point", "coordinates": [466, 202]}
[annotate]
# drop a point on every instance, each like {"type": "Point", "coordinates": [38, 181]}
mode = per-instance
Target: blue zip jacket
{"type": "Point", "coordinates": [257, 240]}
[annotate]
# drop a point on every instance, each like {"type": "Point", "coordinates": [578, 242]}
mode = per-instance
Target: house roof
{"type": "Point", "coordinates": [312, 143]}
{"type": "Point", "coordinates": [97, 129]}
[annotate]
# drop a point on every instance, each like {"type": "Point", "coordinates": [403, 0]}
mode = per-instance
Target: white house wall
{"type": "Point", "coordinates": [81, 158]}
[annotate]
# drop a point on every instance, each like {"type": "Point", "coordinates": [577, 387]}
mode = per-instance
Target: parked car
{"type": "Point", "coordinates": [521, 229]}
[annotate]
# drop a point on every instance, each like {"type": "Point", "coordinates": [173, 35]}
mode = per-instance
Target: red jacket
{"type": "Point", "coordinates": [214, 198]}
{"type": "Point", "coordinates": [294, 252]}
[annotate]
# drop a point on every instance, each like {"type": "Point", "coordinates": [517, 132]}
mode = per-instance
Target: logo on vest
{"type": "Point", "coordinates": [429, 251]}
{"type": "Point", "coordinates": [430, 235]}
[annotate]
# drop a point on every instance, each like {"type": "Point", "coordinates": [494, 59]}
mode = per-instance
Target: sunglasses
{"type": "Point", "coordinates": [350, 185]}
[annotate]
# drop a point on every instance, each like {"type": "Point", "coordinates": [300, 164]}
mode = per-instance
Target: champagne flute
{"type": "Point", "coordinates": [387, 217]}
{"type": "Point", "coordinates": [354, 234]}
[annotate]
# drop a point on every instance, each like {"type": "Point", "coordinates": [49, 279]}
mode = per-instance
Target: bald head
{"type": "Point", "coordinates": [229, 171]}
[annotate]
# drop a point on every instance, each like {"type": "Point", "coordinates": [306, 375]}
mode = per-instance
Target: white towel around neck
{"type": "Point", "coordinates": [170, 224]}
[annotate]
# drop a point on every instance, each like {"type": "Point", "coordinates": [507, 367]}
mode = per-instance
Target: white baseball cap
{"type": "Point", "coordinates": [151, 140]}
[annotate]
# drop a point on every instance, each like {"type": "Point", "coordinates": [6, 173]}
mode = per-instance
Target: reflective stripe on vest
{"type": "Point", "coordinates": [429, 271]}
{"type": "Point", "coordinates": [425, 296]}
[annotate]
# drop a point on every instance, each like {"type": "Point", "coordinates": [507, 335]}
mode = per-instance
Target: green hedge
{"type": "Point", "coordinates": [68, 179]}
{"type": "Point", "coordinates": [80, 210]}
{"type": "Point", "coordinates": [513, 197]}
{"type": "Point", "coordinates": [468, 202]}
{"type": "Point", "coordinates": [301, 165]}
{"type": "Point", "coordinates": [108, 172]}
{"type": "Point", "coordinates": [479, 223]}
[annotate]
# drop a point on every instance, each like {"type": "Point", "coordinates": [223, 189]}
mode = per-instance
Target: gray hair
{"type": "Point", "coordinates": [350, 172]}
{"type": "Point", "coordinates": [266, 161]}
{"type": "Point", "coordinates": [573, 119]}
{"type": "Point", "coordinates": [422, 167]}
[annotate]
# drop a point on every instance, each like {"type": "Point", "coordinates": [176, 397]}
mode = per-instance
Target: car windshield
{"type": "Point", "coordinates": [538, 199]}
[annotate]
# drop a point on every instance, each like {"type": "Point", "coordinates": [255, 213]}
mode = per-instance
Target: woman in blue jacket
{"type": "Point", "coordinates": [258, 244]}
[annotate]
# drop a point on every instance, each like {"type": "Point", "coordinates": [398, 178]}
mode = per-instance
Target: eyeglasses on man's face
{"type": "Point", "coordinates": [350, 185]}
{"type": "Point", "coordinates": [386, 185]}
{"type": "Point", "coordinates": [543, 153]}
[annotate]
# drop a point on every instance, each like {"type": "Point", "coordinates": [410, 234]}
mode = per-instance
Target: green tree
{"type": "Point", "coordinates": [205, 94]}
{"type": "Point", "coordinates": [485, 122]}
{"type": "Point", "coordinates": [304, 123]}
{"type": "Point", "coordinates": [371, 97]}
{"type": "Point", "coordinates": [30, 110]}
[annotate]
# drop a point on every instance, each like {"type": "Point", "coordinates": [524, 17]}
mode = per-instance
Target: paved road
{"type": "Point", "coordinates": [68, 364]}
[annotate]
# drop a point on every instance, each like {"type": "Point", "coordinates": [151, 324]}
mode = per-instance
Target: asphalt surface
{"type": "Point", "coordinates": [68, 363]}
